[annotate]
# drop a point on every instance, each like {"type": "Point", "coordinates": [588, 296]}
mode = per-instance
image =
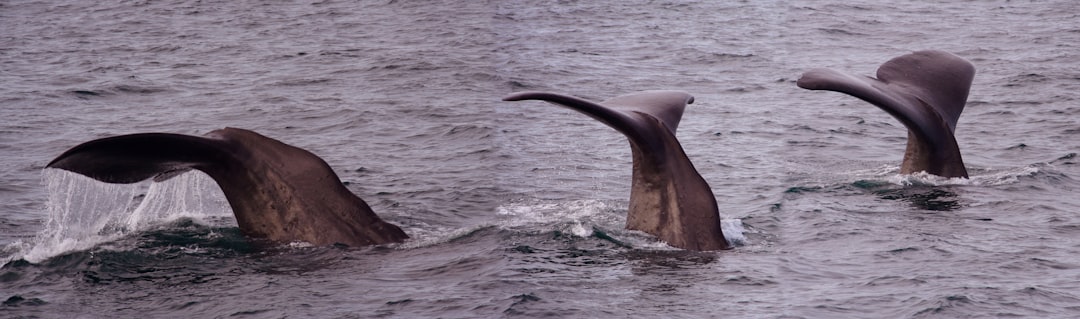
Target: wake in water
{"type": "Point", "coordinates": [921, 190]}
{"type": "Point", "coordinates": [595, 218]}
{"type": "Point", "coordinates": [889, 175]}
{"type": "Point", "coordinates": [981, 178]}
{"type": "Point", "coordinates": [84, 213]}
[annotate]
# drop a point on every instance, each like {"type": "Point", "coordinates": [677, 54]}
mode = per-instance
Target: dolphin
{"type": "Point", "coordinates": [277, 191]}
{"type": "Point", "coordinates": [668, 198]}
{"type": "Point", "coordinates": [926, 91]}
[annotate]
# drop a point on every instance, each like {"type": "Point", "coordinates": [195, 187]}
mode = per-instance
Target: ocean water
{"type": "Point", "coordinates": [516, 209]}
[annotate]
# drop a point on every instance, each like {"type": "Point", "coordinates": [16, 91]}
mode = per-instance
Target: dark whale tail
{"type": "Point", "coordinates": [926, 91]}
{"type": "Point", "coordinates": [277, 191]}
{"type": "Point", "coordinates": [668, 198]}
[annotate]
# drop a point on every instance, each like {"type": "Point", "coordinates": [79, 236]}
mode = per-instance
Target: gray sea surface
{"type": "Point", "coordinates": [516, 209]}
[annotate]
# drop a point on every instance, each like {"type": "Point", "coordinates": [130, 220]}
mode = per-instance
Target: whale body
{"type": "Point", "coordinates": [926, 91]}
{"type": "Point", "coordinates": [277, 191]}
{"type": "Point", "coordinates": [668, 198]}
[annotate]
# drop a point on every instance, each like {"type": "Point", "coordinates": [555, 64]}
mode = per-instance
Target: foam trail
{"type": "Point", "coordinates": [431, 237]}
{"type": "Point", "coordinates": [580, 217]}
{"type": "Point", "coordinates": [574, 217]}
{"type": "Point", "coordinates": [980, 177]}
{"type": "Point", "coordinates": [991, 178]}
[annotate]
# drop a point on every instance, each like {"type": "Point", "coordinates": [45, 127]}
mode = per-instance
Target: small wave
{"type": "Point", "coordinates": [838, 31]}
{"type": "Point", "coordinates": [139, 89]}
{"type": "Point", "coordinates": [118, 90]}
{"type": "Point", "coordinates": [302, 82]}
{"type": "Point", "coordinates": [470, 131]}
{"type": "Point", "coordinates": [1066, 159]}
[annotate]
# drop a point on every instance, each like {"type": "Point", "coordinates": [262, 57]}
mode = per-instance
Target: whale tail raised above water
{"type": "Point", "coordinates": [277, 191]}
{"type": "Point", "coordinates": [668, 198]}
{"type": "Point", "coordinates": [926, 91]}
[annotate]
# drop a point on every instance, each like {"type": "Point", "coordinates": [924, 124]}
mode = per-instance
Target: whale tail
{"type": "Point", "coordinates": [276, 191]}
{"type": "Point", "coordinates": [669, 198]}
{"type": "Point", "coordinates": [137, 157]}
{"type": "Point", "coordinates": [924, 90]}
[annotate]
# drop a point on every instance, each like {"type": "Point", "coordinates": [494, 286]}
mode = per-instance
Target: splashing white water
{"type": "Point", "coordinates": [84, 213]}
{"type": "Point", "coordinates": [734, 232]}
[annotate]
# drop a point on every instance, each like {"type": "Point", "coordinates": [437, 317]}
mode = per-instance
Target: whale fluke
{"type": "Point", "coordinates": [277, 191]}
{"type": "Point", "coordinates": [668, 198]}
{"type": "Point", "coordinates": [926, 91]}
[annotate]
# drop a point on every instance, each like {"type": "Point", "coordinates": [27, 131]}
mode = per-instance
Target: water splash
{"type": "Point", "coordinates": [84, 213]}
{"type": "Point", "coordinates": [734, 232]}
{"type": "Point", "coordinates": [193, 194]}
